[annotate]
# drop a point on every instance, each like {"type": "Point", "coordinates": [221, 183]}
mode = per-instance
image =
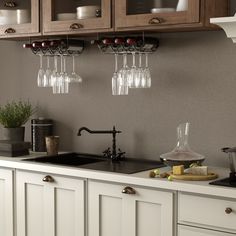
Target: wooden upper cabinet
{"type": "Point", "coordinates": [171, 15]}
{"type": "Point", "coordinates": [76, 16]}
{"type": "Point", "coordinates": [154, 14]}
{"type": "Point", "coordinates": [19, 18]}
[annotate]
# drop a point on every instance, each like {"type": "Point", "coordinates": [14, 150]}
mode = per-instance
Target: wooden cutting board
{"type": "Point", "coordinates": [190, 177]}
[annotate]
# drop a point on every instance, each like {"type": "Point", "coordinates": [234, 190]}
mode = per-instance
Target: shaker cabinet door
{"type": "Point", "coordinates": [120, 210]}
{"type": "Point", "coordinates": [149, 14]}
{"type": "Point", "coordinates": [49, 205]}
{"type": "Point", "coordinates": [76, 16]}
{"type": "Point", "coordinates": [19, 18]}
{"type": "Point", "coordinates": [6, 202]}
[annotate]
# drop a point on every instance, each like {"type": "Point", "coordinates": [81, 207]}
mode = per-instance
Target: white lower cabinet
{"type": "Point", "coordinates": [6, 202]}
{"type": "Point", "coordinates": [194, 231]}
{"type": "Point", "coordinates": [213, 214]}
{"type": "Point", "coordinates": [120, 210]}
{"type": "Point", "coordinates": [49, 205]}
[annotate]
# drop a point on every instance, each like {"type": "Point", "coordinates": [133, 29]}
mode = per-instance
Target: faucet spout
{"type": "Point", "coordinates": [113, 155]}
{"type": "Point", "coordinates": [114, 131]}
{"type": "Point", "coordinates": [83, 129]}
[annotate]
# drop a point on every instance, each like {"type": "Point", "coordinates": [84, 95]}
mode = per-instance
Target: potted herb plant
{"type": "Point", "coordinates": [13, 116]}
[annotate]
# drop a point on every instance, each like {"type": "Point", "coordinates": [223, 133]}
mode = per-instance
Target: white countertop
{"type": "Point", "coordinates": [141, 178]}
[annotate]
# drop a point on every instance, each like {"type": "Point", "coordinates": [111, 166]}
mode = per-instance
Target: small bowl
{"type": "Point", "coordinates": [162, 10]}
{"type": "Point", "coordinates": [66, 16]}
{"type": "Point", "coordinates": [86, 12]}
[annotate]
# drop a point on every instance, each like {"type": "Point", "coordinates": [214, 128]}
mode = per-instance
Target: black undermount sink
{"type": "Point", "coordinates": [96, 162]}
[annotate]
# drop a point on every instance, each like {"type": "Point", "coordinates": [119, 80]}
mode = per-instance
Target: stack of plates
{"type": "Point", "coordinates": [66, 16]}
{"type": "Point", "coordinates": [19, 16]}
{"type": "Point", "coordinates": [162, 10]}
{"type": "Point", "coordinates": [85, 12]}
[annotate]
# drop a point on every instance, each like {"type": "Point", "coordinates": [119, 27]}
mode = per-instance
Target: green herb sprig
{"type": "Point", "coordinates": [15, 114]}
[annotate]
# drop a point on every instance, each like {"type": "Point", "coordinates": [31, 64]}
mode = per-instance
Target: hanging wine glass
{"type": "Point", "coordinates": [63, 79]}
{"type": "Point", "coordinates": [65, 83]}
{"type": "Point", "coordinates": [115, 78]}
{"type": "Point", "coordinates": [139, 77]}
{"type": "Point", "coordinates": [41, 73]}
{"type": "Point", "coordinates": [147, 74]}
{"type": "Point", "coordinates": [133, 73]}
{"type": "Point", "coordinates": [74, 77]}
{"type": "Point", "coordinates": [124, 77]}
{"type": "Point", "coordinates": [48, 75]}
{"type": "Point", "coordinates": [55, 78]}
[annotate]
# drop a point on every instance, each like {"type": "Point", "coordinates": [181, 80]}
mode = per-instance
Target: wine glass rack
{"type": "Point", "coordinates": [65, 47]}
{"type": "Point", "coordinates": [127, 45]}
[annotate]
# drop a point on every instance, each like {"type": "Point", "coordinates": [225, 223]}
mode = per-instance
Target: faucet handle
{"type": "Point", "coordinates": [107, 153]}
{"type": "Point", "coordinates": [120, 154]}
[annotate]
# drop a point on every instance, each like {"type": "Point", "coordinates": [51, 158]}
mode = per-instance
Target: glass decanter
{"type": "Point", "coordinates": [182, 153]}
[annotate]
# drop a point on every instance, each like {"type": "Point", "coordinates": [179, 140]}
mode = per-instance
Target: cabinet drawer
{"type": "Point", "coordinates": [194, 231]}
{"type": "Point", "coordinates": [204, 211]}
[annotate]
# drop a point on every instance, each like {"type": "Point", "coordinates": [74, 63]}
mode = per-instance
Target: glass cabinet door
{"type": "Point", "coordinates": [75, 16]}
{"type": "Point", "coordinates": [155, 13]}
{"type": "Point", "coordinates": [19, 18]}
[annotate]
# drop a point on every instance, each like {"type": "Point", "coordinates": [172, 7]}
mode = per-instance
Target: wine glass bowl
{"type": "Point", "coordinates": [74, 77]}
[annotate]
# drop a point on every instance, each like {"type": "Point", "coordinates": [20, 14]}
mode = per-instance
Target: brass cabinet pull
{"type": "Point", "coordinates": [48, 179]}
{"type": "Point", "coordinates": [128, 190]}
{"type": "Point", "coordinates": [10, 31]}
{"type": "Point", "coordinates": [228, 210]}
{"type": "Point", "coordinates": [155, 21]}
{"type": "Point", "coordinates": [76, 26]}
{"type": "Point", "coordinates": [10, 4]}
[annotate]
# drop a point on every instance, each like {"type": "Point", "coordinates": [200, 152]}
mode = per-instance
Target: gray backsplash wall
{"type": "Point", "coordinates": [194, 79]}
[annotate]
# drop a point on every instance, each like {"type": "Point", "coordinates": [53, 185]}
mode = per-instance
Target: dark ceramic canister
{"type": "Point", "coordinates": [40, 128]}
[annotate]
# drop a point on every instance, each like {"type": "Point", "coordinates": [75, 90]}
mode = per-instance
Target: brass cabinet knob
{"type": "Point", "coordinates": [155, 21]}
{"type": "Point", "coordinates": [48, 179]}
{"type": "Point", "coordinates": [228, 210]}
{"type": "Point", "coordinates": [10, 31]}
{"type": "Point", "coordinates": [128, 190]}
{"type": "Point", "coordinates": [76, 26]}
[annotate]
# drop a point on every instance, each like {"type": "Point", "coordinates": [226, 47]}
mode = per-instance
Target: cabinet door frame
{"type": "Point", "coordinates": [7, 176]}
{"type": "Point", "coordinates": [100, 24]}
{"type": "Point", "coordinates": [49, 222]}
{"type": "Point", "coordinates": [141, 21]}
{"type": "Point", "coordinates": [129, 207]}
{"type": "Point", "coordinates": [27, 29]}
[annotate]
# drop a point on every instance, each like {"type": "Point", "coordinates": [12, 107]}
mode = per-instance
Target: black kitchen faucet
{"type": "Point", "coordinates": [107, 153]}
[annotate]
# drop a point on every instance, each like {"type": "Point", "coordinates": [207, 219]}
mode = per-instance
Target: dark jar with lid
{"type": "Point", "coordinates": [40, 128]}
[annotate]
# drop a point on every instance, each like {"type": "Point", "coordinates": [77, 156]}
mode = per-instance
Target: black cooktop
{"type": "Point", "coordinates": [224, 182]}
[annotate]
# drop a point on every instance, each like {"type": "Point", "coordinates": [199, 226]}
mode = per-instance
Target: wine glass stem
{"type": "Point", "coordinates": [73, 64]}
{"type": "Point", "coordinates": [48, 62]}
{"type": "Point", "coordinates": [125, 60]}
{"type": "Point", "coordinates": [116, 63]}
{"type": "Point", "coordinates": [146, 60]}
{"type": "Point", "coordinates": [55, 63]}
{"type": "Point", "coordinates": [140, 60]}
{"type": "Point", "coordinates": [41, 61]}
{"type": "Point", "coordinates": [61, 64]}
{"type": "Point", "coordinates": [133, 54]}
{"type": "Point", "coordinates": [64, 61]}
